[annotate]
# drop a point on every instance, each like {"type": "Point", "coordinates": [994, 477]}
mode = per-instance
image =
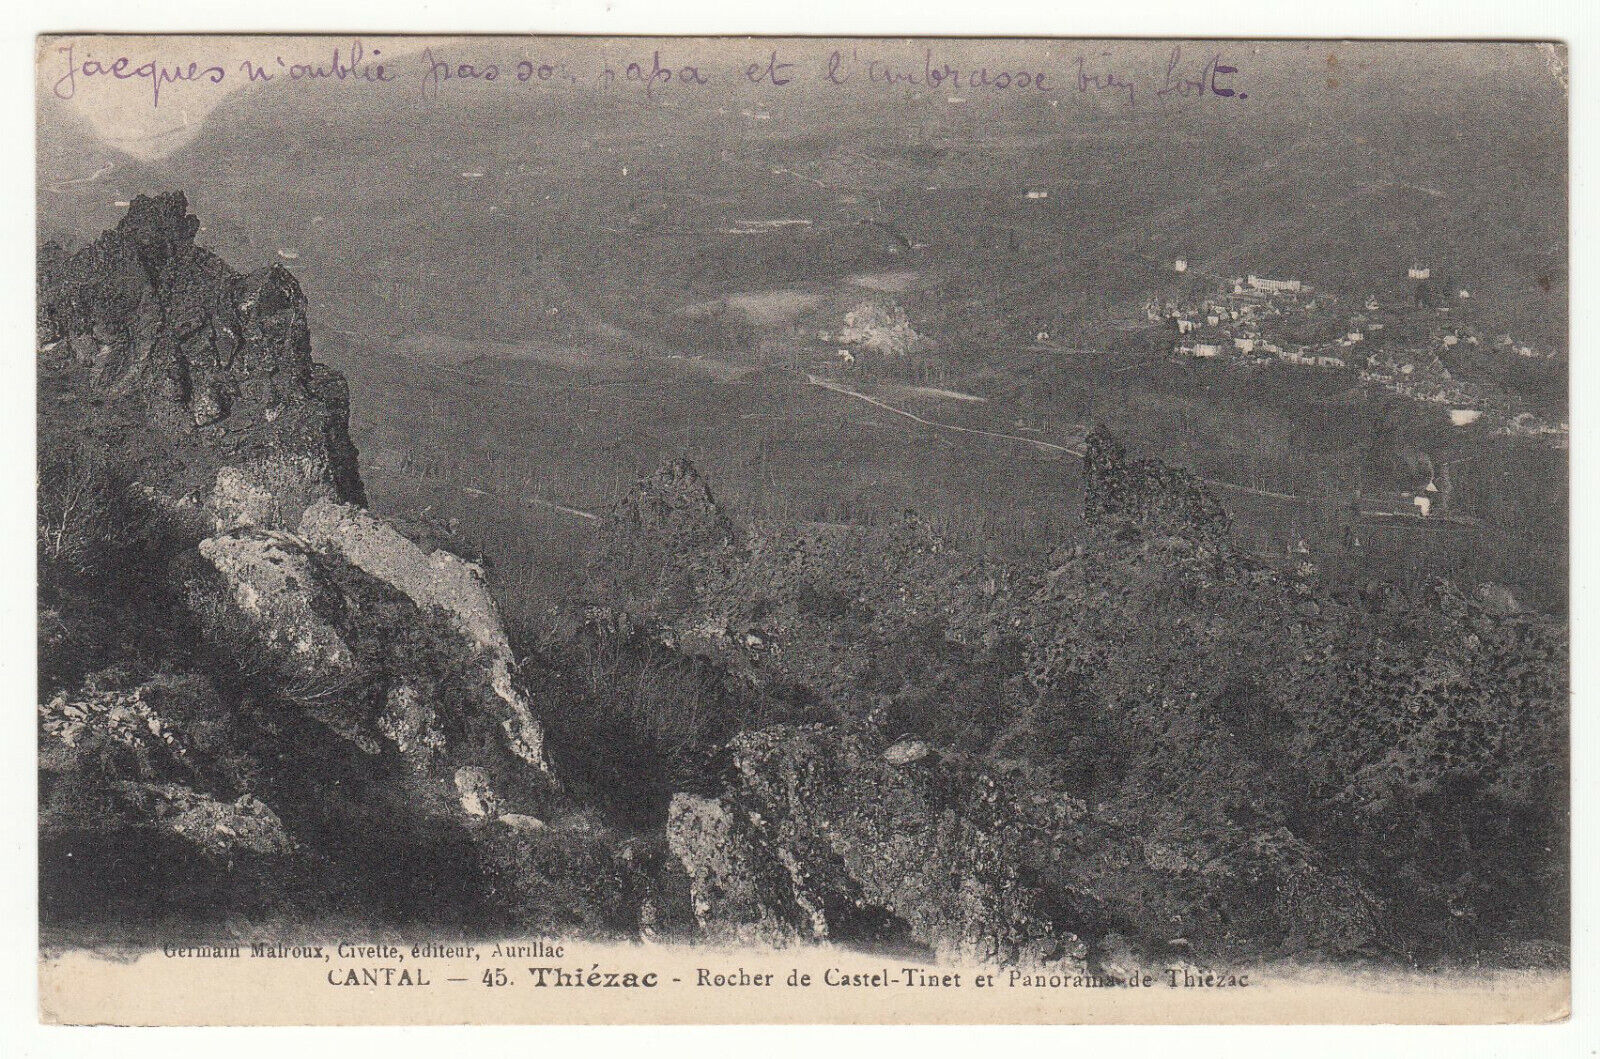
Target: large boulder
{"type": "Point", "coordinates": [270, 585]}
{"type": "Point", "coordinates": [432, 580]}
{"type": "Point", "coordinates": [740, 893]}
{"type": "Point", "coordinates": [823, 835]}
{"type": "Point", "coordinates": [349, 619]}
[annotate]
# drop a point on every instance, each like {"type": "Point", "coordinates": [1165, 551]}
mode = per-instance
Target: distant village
{"type": "Point", "coordinates": [1396, 342]}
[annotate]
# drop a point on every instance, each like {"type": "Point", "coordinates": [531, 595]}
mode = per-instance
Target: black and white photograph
{"type": "Point", "coordinates": [802, 529]}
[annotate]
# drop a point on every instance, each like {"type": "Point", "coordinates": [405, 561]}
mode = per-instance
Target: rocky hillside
{"type": "Point", "coordinates": [258, 697]}
{"type": "Point", "coordinates": [265, 709]}
{"type": "Point", "coordinates": [1151, 744]}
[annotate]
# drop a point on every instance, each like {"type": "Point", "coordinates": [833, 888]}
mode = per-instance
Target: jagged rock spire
{"type": "Point", "coordinates": [1146, 497]}
{"type": "Point", "coordinates": [219, 361]}
{"type": "Point", "coordinates": [675, 502]}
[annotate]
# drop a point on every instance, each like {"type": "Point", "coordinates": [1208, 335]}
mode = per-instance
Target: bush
{"type": "Point", "coordinates": [632, 722]}
{"type": "Point", "coordinates": [89, 517]}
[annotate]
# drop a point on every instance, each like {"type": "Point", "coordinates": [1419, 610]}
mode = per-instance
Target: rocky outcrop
{"type": "Point", "coordinates": [358, 677]}
{"type": "Point", "coordinates": [1146, 498]}
{"type": "Point", "coordinates": [243, 826]}
{"type": "Point", "coordinates": [878, 327]}
{"type": "Point", "coordinates": [142, 748]}
{"type": "Point", "coordinates": [1141, 735]}
{"type": "Point", "coordinates": [432, 580]}
{"type": "Point", "coordinates": [823, 836]}
{"type": "Point", "coordinates": [302, 599]}
{"type": "Point", "coordinates": [215, 362]}
{"type": "Point", "coordinates": [220, 365]}
{"type": "Point", "coordinates": [674, 506]}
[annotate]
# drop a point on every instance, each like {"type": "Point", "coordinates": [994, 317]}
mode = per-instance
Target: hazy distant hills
{"type": "Point", "coordinates": [610, 208]}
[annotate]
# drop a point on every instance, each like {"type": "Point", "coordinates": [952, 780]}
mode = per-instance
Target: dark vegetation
{"type": "Point", "coordinates": [1264, 764]}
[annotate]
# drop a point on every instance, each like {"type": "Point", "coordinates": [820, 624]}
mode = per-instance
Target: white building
{"type": "Point", "coordinates": [1274, 286]}
{"type": "Point", "coordinates": [1180, 265]}
{"type": "Point", "coordinates": [1418, 272]}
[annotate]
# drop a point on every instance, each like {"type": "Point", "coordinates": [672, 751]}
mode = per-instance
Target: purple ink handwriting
{"type": "Point", "coordinates": [1200, 81]}
{"type": "Point", "coordinates": [125, 68]}
{"type": "Point", "coordinates": [439, 69]}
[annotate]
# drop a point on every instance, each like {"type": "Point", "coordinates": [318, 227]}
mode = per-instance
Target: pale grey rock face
{"type": "Point", "coordinates": [124, 717]}
{"type": "Point", "coordinates": [476, 793]}
{"type": "Point", "coordinates": [437, 579]}
{"type": "Point", "coordinates": [738, 899]}
{"type": "Point", "coordinates": [176, 786]}
{"type": "Point", "coordinates": [269, 492]}
{"type": "Point", "coordinates": [209, 404]}
{"type": "Point", "coordinates": [271, 581]}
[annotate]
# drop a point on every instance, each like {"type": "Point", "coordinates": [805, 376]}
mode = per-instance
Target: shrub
{"type": "Point", "coordinates": [89, 517]}
{"type": "Point", "coordinates": [632, 722]}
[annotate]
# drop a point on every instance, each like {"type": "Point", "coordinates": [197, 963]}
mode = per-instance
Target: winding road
{"type": "Point", "coordinates": [828, 384]}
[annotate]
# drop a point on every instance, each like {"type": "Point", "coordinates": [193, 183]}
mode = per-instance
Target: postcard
{"type": "Point", "coordinates": [801, 530]}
